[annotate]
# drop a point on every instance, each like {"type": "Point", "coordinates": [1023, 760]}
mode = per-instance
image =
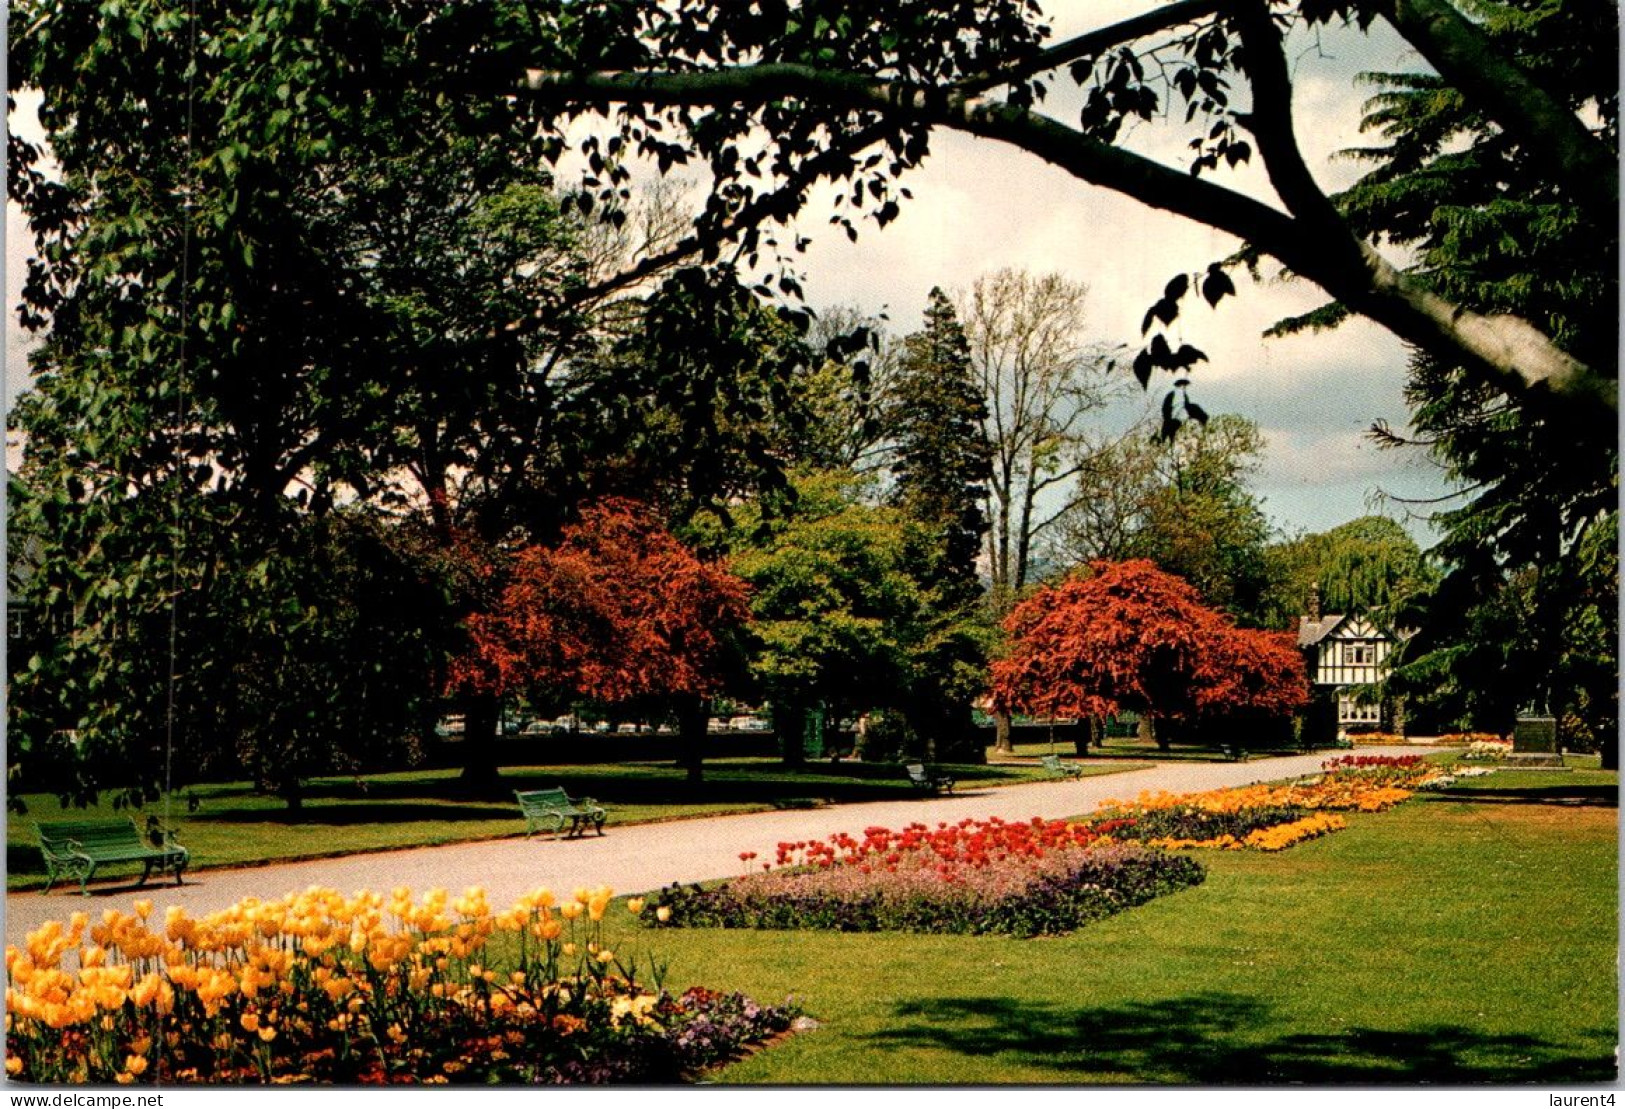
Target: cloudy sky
{"type": "Point", "coordinates": [979, 206]}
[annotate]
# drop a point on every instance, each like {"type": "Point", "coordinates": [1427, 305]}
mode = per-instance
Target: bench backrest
{"type": "Point", "coordinates": [544, 798]}
{"type": "Point", "coordinates": [91, 834]}
{"type": "Point", "coordinates": [916, 771]}
{"type": "Point", "coordinates": [1051, 762]}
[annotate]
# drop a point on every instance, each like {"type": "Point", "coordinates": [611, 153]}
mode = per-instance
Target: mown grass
{"type": "Point", "coordinates": [233, 825]}
{"type": "Point", "coordinates": [1466, 937]}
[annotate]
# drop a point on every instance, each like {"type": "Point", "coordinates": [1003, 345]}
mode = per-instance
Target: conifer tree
{"type": "Point", "coordinates": [942, 466]}
{"type": "Point", "coordinates": [942, 453]}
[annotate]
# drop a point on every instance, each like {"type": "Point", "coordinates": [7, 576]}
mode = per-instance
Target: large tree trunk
{"type": "Point", "coordinates": [692, 717]}
{"type": "Point", "coordinates": [480, 713]}
{"type": "Point", "coordinates": [1002, 742]}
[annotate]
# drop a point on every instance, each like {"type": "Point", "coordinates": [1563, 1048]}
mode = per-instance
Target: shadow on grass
{"type": "Point", "coordinates": [1152, 753]}
{"type": "Point", "coordinates": [1598, 796]}
{"type": "Point", "coordinates": [1224, 1039]}
{"type": "Point", "coordinates": [633, 785]}
{"type": "Point", "coordinates": [367, 812]}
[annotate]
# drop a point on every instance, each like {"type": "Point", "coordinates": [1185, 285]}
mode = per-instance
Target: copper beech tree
{"type": "Point", "coordinates": [617, 609]}
{"type": "Point", "coordinates": [1129, 637]}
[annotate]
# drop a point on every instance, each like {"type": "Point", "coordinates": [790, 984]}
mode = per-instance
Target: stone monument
{"type": "Point", "coordinates": [1534, 743]}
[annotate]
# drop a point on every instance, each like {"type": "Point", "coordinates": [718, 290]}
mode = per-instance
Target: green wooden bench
{"type": "Point", "coordinates": [554, 806]}
{"type": "Point", "coordinates": [927, 781]}
{"type": "Point", "coordinates": [75, 848]}
{"type": "Point", "coordinates": [1054, 765]}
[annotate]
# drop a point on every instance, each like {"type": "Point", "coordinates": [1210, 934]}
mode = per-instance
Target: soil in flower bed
{"type": "Point", "coordinates": [1040, 878]}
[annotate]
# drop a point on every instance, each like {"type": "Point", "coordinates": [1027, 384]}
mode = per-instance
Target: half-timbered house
{"type": "Point", "coordinates": [1344, 654]}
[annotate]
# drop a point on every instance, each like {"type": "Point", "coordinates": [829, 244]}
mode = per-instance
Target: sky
{"type": "Point", "coordinates": [979, 206]}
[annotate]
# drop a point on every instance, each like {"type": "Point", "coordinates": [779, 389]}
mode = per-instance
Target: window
{"type": "Point", "coordinates": [1351, 711]}
{"type": "Point", "coordinates": [1360, 654]}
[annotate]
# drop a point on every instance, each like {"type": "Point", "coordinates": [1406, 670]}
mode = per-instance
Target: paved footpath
{"type": "Point", "coordinates": [643, 857]}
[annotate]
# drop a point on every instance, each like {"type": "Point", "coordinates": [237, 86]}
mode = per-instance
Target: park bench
{"type": "Point", "coordinates": [927, 781]}
{"type": "Point", "coordinates": [75, 848]}
{"type": "Point", "coordinates": [1054, 765]}
{"type": "Point", "coordinates": [553, 806]}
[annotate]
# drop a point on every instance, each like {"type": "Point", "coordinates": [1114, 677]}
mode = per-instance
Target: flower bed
{"type": "Point", "coordinates": [1037, 878]}
{"type": "Point", "coordinates": [1482, 748]}
{"type": "Point", "coordinates": [364, 990]}
{"type": "Point", "coordinates": [1266, 817]}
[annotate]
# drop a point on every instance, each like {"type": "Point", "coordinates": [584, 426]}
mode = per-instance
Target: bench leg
{"type": "Point", "coordinates": [85, 881]}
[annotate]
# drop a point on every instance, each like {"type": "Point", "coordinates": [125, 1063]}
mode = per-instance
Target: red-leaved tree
{"type": "Point", "coordinates": [1129, 637]}
{"type": "Point", "coordinates": [617, 609]}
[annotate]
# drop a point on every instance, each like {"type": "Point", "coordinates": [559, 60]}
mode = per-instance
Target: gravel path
{"type": "Point", "coordinates": [645, 856]}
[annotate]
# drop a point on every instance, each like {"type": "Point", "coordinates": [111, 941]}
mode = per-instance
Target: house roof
{"type": "Point", "coordinates": [1311, 631]}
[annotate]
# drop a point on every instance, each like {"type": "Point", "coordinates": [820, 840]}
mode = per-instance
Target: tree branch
{"type": "Point", "coordinates": [1090, 44]}
{"type": "Point", "coordinates": [1505, 349]}
{"type": "Point", "coordinates": [1467, 58]}
{"type": "Point", "coordinates": [783, 202]}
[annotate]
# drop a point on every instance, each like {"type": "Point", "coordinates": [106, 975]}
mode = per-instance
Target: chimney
{"type": "Point", "coordinates": [1314, 601]}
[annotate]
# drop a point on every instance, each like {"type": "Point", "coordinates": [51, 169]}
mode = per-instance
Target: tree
{"type": "Point", "coordinates": [844, 616]}
{"type": "Point", "coordinates": [941, 471]}
{"type": "Point", "coordinates": [941, 454]}
{"type": "Point", "coordinates": [618, 609]}
{"type": "Point", "coordinates": [1181, 503]}
{"type": "Point", "coordinates": [856, 98]}
{"type": "Point", "coordinates": [1040, 379]}
{"type": "Point", "coordinates": [1369, 566]}
{"type": "Point", "coordinates": [1490, 224]}
{"type": "Point", "coordinates": [288, 294]}
{"type": "Point", "coordinates": [1131, 637]}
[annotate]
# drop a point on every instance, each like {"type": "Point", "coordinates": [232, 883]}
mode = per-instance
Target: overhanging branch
{"type": "Point", "coordinates": [1090, 44]}
{"type": "Point", "coordinates": [1506, 350]}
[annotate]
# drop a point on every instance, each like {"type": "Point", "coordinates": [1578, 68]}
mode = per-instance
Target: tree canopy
{"type": "Point", "coordinates": [617, 609]}
{"type": "Point", "coordinates": [1369, 566]}
{"type": "Point", "coordinates": [1127, 636]}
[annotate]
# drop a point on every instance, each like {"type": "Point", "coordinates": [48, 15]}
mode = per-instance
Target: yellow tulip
{"type": "Point", "coordinates": [635, 906]}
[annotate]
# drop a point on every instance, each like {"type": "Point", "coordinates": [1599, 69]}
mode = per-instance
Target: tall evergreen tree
{"type": "Point", "coordinates": [942, 453]}
{"type": "Point", "coordinates": [942, 467]}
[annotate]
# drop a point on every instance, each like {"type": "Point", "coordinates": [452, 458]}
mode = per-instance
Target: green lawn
{"type": "Point", "coordinates": [231, 825]}
{"type": "Point", "coordinates": [1469, 937]}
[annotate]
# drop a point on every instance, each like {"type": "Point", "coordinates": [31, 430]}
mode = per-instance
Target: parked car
{"type": "Point", "coordinates": [537, 727]}
{"type": "Point", "coordinates": [450, 726]}
{"type": "Point", "coordinates": [566, 723]}
{"type": "Point", "coordinates": [749, 724]}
